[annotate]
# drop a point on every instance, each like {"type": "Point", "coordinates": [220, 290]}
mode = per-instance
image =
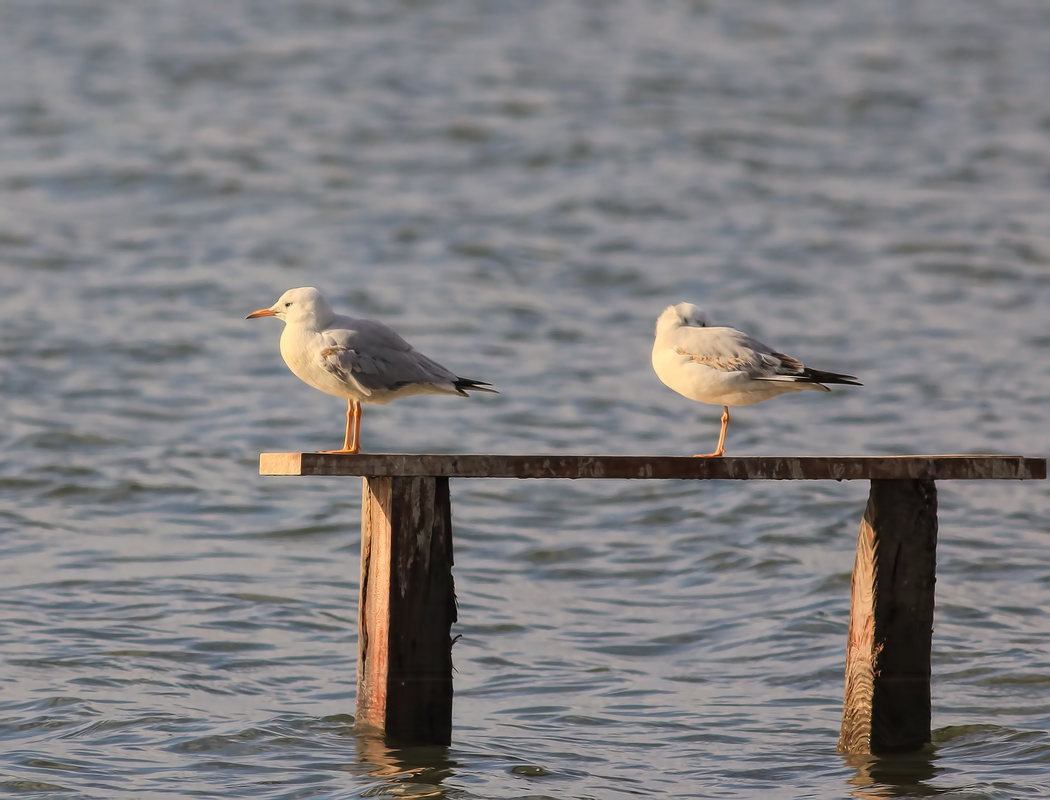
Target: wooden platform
{"type": "Point", "coordinates": [408, 603]}
{"type": "Point", "coordinates": [774, 468]}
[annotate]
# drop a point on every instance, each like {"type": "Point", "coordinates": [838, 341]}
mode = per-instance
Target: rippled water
{"type": "Point", "coordinates": [519, 188]}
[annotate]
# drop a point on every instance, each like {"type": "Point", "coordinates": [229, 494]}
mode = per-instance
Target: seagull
{"type": "Point", "coordinates": [361, 360]}
{"type": "Point", "coordinates": [726, 367]}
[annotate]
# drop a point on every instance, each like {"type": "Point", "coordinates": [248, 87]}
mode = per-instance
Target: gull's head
{"type": "Point", "coordinates": [683, 315]}
{"type": "Point", "coordinates": [303, 306]}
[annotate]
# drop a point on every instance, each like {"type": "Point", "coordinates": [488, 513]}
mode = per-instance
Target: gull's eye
{"type": "Point", "coordinates": [286, 305]}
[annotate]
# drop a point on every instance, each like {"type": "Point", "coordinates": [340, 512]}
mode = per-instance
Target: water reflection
{"type": "Point", "coordinates": [405, 771]}
{"type": "Point", "coordinates": [894, 775]}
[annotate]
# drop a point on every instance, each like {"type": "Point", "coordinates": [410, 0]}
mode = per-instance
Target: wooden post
{"type": "Point", "coordinates": [408, 605]}
{"type": "Point", "coordinates": [887, 702]}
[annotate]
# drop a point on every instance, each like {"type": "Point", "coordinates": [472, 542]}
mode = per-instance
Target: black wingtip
{"type": "Point", "coordinates": [819, 376]}
{"type": "Point", "coordinates": [464, 385]}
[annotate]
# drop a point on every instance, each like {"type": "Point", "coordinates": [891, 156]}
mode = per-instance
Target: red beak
{"type": "Point", "coordinates": [262, 312]}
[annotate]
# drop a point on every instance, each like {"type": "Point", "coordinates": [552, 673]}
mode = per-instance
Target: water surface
{"type": "Point", "coordinates": [520, 189]}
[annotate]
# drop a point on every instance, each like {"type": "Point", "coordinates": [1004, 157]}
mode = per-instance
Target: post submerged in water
{"type": "Point", "coordinates": [407, 608]}
{"type": "Point", "coordinates": [408, 601]}
{"type": "Point", "coordinates": [887, 704]}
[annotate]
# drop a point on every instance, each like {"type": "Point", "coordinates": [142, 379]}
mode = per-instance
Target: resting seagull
{"type": "Point", "coordinates": [726, 367]}
{"type": "Point", "coordinates": [359, 359]}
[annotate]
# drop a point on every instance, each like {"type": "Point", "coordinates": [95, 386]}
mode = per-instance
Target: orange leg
{"type": "Point", "coordinates": [357, 426]}
{"type": "Point", "coordinates": [352, 439]}
{"type": "Point", "coordinates": [721, 437]}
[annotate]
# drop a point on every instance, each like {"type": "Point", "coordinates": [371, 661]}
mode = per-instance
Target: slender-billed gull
{"type": "Point", "coordinates": [725, 367]}
{"type": "Point", "coordinates": [359, 359]}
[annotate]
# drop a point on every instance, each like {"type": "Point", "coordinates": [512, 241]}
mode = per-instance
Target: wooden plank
{"type": "Point", "coordinates": [839, 468]}
{"type": "Point", "coordinates": [407, 608]}
{"type": "Point", "coordinates": [887, 704]}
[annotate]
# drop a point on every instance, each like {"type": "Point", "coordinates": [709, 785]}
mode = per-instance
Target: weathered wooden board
{"type": "Point", "coordinates": [838, 468]}
{"type": "Point", "coordinates": [887, 701]}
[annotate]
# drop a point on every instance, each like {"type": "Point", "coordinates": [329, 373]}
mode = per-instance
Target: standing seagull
{"type": "Point", "coordinates": [359, 359]}
{"type": "Point", "coordinates": [725, 367]}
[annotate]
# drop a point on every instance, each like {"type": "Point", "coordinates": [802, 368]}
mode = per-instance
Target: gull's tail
{"type": "Point", "coordinates": [463, 385]}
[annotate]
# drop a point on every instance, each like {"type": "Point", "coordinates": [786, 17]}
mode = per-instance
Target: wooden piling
{"type": "Point", "coordinates": [408, 605]}
{"type": "Point", "coordinates": [887, 701]}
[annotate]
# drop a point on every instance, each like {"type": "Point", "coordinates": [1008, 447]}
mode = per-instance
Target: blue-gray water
{"type": "Point", "coordinates": [519, 188]}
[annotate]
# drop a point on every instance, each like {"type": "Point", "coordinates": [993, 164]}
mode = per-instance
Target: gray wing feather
{"type": "Point", "coordinates": [374, 358]}
{"type": "Point", "coordinates": [730, 350]}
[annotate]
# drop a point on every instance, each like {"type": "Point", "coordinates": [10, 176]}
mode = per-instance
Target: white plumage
{"type": "Point", "coordinates": [361, 360]}
{"type": "Point", "coordinates": [726, 367]}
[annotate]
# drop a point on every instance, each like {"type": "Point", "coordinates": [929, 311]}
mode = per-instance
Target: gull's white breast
{"type": "Point", "coordinates": [301, 350]}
